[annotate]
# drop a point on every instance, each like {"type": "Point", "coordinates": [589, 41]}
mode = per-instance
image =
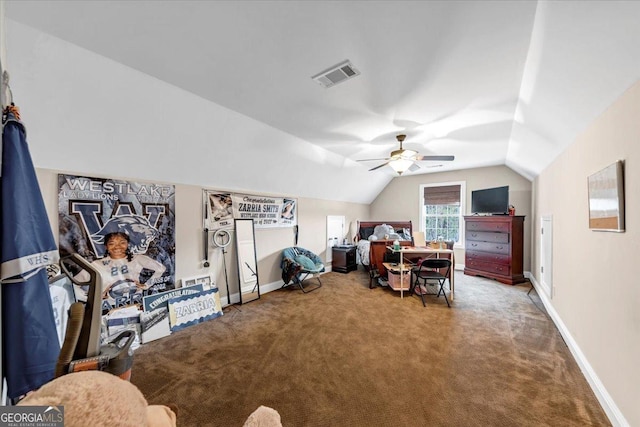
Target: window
{"type": "Point", "coordinates": [442, 210]}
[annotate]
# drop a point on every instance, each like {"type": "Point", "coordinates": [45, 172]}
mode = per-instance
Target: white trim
{"type": "Point", "coordinates": [264, 289]}
{"type": "Point", "coordinates": [547, 287]}
{"type": "Point", "coordinates": [606, 401]}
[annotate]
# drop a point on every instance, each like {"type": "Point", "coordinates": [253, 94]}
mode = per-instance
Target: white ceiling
{"type": "Point", "coordinates": [491, 82]}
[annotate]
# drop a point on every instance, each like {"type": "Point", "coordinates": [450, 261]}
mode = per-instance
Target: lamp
{"type": "Point", "coordinates": [401, 164]}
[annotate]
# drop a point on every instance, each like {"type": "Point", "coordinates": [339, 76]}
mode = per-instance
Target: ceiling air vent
{"type": "Point", "coordinates": [336, 74]}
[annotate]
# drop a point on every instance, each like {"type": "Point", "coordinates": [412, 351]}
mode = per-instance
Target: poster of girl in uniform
{"type": "Point", "coordinates": [125, 229]}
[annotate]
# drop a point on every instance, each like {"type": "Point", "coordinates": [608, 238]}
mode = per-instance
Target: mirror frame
{"type": "Point", "coordinates": [245, 235]}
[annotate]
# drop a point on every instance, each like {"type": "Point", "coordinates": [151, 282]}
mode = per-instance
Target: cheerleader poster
{"type": "Point", "coordinates": [125, 229]}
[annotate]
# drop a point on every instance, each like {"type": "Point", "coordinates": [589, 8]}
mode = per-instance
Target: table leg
{"type": "Point", "coordinates": [401, 274]}
{"type": "Point", "coordinates": [451, 275]}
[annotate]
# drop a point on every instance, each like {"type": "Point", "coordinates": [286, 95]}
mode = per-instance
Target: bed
{"type": "Point", "coordinates": [371, 250]}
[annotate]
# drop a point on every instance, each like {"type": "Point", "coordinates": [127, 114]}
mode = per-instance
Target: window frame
{"type": "Point", "coordinates": [463, 192]}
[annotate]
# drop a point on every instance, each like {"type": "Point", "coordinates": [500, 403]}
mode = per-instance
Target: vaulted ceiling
{"type": "Point", "coordinates": [490, 82]}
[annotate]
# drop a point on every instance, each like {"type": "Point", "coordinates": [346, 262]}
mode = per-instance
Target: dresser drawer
{"type": "Point", "coordinates": [496, 248]}
{"type": "Point", "coordinates": [487, 236]}
{"type": "Point", "coordinates": [487, 226]}
{"type": "Point", "coordinates": [489, 267]}
{"type": "Point", "coordinates": [487, 257]}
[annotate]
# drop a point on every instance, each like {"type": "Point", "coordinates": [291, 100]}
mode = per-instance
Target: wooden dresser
{"type": "Point", "coordinates": [494, 247]}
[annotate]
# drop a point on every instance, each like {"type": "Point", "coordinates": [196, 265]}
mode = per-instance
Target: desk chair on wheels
{"type": "Point", "coordinates": [428, 272]}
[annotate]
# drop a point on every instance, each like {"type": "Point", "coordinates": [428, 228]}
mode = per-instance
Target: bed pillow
{"type": "Point", "coordinates": [305, 262]}
{"type": "Point", "coordinates": [404, 234]}
{"type": "Point", "coordinates": [365, 232]}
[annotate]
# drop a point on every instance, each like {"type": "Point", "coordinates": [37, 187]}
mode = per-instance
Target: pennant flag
{"type": "Point", "coordinates": [30, 346]}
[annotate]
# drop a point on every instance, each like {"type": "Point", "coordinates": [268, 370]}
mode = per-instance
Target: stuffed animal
{"type": "Point", "coordinates": [263, 417]}
{"type": "Point", "coordinates": [100, 399]}
{"type": "Point", "coordinates": [96, 398]}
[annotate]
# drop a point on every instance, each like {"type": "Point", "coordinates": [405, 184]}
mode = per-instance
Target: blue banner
{"type": "Point", "coordinates": [30, 341]}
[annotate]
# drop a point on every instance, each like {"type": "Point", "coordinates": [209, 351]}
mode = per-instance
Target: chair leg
{"type": "Point", "coordinates": [417, 284]}
{"type": "Point", "coordinates": [300, 280]}
{"type": "Point", "coordinates": [412, 282]}
{"type": "Point", "coordinates": [443, 293]}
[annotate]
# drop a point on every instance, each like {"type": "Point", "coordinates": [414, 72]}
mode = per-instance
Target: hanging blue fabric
{"type": "Point", "coordinates": [30, 344]}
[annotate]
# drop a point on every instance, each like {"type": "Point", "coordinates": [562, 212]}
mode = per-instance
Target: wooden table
{"type": "Point", "coordinates": [423, 250]}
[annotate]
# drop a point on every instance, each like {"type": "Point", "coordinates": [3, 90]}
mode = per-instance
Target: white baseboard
{"type": "Point", "coordinates": [609, 406]}
{"type": "Point", "coordinates": [264, 289]}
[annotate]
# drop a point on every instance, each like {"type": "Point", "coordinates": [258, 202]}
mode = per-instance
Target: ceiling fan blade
{"type": "Point", "coordinates": [370, 160]}
{"type": "Point", "coordinates": [379, 166]}
{"type": "Point", "coordinates": [414, 167]}
{"type": "Point", "coordinates": [436, 158]}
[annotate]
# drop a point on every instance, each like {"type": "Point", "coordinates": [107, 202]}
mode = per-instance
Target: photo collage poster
{"type": "Point", "coordinates": [141, 216]}
{"type": "Point", "coordinates": [267, 212]}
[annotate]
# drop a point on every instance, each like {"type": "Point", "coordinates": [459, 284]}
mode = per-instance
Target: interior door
{"type": "Point", "coordinates": [335, 234]}
{"type": "Point", "coordinates": [546, 259]}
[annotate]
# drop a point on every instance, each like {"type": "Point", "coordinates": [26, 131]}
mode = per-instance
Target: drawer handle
{"type": "Point", "coordinates": [499, 247]}
{"type": "Point", "coordinates": [474, 244]}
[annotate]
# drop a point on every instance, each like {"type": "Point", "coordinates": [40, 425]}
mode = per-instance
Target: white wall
{"type": "Point", "coordinates": [312, 217]}
{"type": "Point", "coordinates": [88, 115]}
{"type": "Point", "coordinates": [595, 279]}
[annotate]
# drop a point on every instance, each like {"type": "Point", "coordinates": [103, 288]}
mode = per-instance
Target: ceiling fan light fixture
{"type": "Point", "coordinates": [404, 154]}
{"type": "Point", "coordinates": [400, 165]}
{"type": "Point", "coordinates": [402, 160]}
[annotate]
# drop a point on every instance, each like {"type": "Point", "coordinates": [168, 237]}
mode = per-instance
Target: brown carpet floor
{"type": "Point", "coordinates": [347, 355]}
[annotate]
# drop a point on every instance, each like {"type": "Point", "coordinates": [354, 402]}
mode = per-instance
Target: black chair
{"type": "Point", "coordinates": [429, 273]}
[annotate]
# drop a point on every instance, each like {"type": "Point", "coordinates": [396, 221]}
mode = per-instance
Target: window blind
{"type": "Point", "coordinates": [442, 195]}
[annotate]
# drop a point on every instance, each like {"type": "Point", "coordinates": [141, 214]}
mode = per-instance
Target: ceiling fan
{"type": "Point", "coordinates": [402, 159]}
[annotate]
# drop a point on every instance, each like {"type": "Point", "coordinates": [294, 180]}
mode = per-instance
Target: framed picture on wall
{"type": "Point", "coordinates": [205, 281]}
{"type": "Point", "coordinates": [606, 198]}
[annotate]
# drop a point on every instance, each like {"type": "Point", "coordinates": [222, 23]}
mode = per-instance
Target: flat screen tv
{"type": "Point", "coordinates": [490, 201]}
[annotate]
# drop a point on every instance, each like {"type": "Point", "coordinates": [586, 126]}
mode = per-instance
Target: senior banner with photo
{"type": "Point", "coordinates": [266, 212]}
{"type": "Point", "coordinates": [125, 229]}
{"type": "Point", "coordinates": [221, 208]}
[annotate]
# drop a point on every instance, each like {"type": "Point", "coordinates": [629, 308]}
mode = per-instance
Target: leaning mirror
{"type": "Point", "coordinates": [247, 261]}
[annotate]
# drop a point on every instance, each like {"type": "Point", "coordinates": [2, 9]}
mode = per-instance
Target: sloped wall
{"type": "Point", "coordinates": [89, 114]}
